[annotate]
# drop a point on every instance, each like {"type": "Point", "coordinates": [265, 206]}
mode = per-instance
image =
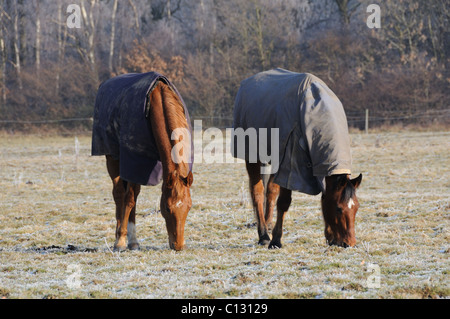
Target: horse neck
{"type": "Point", "coordinates": [167, 115]}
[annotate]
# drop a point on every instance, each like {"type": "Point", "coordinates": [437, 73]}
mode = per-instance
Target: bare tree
{"type": "Point", "coordinates": [16, 45]}
{"type": "Point", "coordinates": [89, 32]}
{"type": "Point", "coordinates": [3, 55]}
{"type": "Point", "coordinates": [21, 16]}
{"type": "Point", "coordinates": [345, 10]}
{"type": "Point", "coordinates": [209, 46]}
{"type": "Point", "coordinates": [263, 49]}
{"type": "Point", "coordinates": [113, 35]}
{"type": "Point", "coordinates": [38, 37]}
{"type": "Point", "coordinates": [136, 18]}
{"type": "Point", "coordinates": [61, 38]}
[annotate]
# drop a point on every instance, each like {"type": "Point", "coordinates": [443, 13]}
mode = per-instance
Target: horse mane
{"type": "Point", "coordinates": [175, 118]}
{"type": "Point", "coordinates": [173, 108]}
{"type": "Point", "coordinates": [348, 192]}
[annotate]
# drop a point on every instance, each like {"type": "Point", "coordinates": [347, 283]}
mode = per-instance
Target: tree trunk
{"type": "Point", "coordinates": [38, 38]}
{"type": "Point", "coordinates": [260, 39]}
{"type": "Point", "coordinates": [169, 12]}
{"type": "Point", "coordinates": [345, 12]}
{"type": "Point", "coordinates": [16, 46]}
{"type": "Point", "coordinates": [113, 35]}
{"type": "Point", "coordinates": [89, 31]}
{"type": "Point", "coordinates": [136, 18]}
{"type": "Point", "coordinates": [61, 39]}
{"type": "Point", "coordinates": [21, 29]}
{"type": "Point", "coordinates": [3, 64]}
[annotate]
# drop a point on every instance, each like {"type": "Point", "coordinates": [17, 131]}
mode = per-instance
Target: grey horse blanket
{"type": "Point", "coordinates": [313, 139]}
{"type": "Point", "coordinates": [121, 128]}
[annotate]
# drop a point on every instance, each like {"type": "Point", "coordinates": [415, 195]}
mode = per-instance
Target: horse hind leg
{"type": "Point", "coordinates": [125, 196]}
{"type": "Point", "coordinates": [283, 203]}
{"type": "Point", "coordinates": [272, 192]}
{"type": "Point", "coordinates": [131, 227]}
{"type": "Point", "coordinates": [127, 225]}
{"type": "Point", "coordinates": [256, 186]}
{"type": "Point", "coordinates": [118, 192]}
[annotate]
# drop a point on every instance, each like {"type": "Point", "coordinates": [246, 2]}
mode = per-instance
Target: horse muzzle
{"type": "Point", "coordinates": [176, 246]}
{"type": "Point", "coordinates": [343, 244]}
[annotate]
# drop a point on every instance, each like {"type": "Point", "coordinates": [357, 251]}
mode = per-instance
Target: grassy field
{"type": "Point", "coordinates": [57, 229]}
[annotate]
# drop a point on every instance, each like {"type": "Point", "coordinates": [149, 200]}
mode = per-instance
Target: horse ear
{"type": "Point", "coordinates": [171, 179]}
{"type": "Point", "coordinates": [356, 181]}
{"type": "Point", "coordinates": [189, 179]}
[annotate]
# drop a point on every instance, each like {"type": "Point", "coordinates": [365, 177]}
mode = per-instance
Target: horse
{"type": "Point", "coordinates": [142, 127]}
{"type": "Point", "coordinates": [309, 151]}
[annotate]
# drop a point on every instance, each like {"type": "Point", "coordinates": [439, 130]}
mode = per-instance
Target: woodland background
{"type": "Point", "coordinates": [399, 72]}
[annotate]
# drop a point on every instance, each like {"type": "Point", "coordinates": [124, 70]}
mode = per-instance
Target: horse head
{"type": "Point", "coordinates": [175, 205]}
{"type": "Point", "coordinates": [339, 207]}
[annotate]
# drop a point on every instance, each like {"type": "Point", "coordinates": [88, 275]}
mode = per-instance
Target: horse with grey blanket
{"type": "Point", "coordinates": [292, 132]}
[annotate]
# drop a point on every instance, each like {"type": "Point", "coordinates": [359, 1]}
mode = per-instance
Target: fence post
{"type": "Point", "coordinates": [367, 121]}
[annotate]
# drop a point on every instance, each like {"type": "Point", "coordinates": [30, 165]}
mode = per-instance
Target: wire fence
{"type": "Point", "coordinates": [360, 119]}
{"type": "Point", "coordinates": [49, 121]}
{"type": "Point", "coordinates": [390, 116]}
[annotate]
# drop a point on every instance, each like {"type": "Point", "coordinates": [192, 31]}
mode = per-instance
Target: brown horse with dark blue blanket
{"type": "Point", "coordinates": [309, 151]}
{"type": "Point", "coordinates": [142, 126]}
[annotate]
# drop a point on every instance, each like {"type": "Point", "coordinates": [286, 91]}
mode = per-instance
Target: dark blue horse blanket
{"type": "Point", "coordinates": [313, 139]}
{"type": "Point", "coordinates": [121, 127]}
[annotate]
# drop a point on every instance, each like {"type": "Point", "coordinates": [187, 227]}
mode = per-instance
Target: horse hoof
{"type": "Point", "coordinates": [119, 248]}
{"type": "Point", "coordinates": [263, 242]}
{"type": "Point", "coordinates": [274, 245]}
{"type": "Point", "coordinates": [133, 246]}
